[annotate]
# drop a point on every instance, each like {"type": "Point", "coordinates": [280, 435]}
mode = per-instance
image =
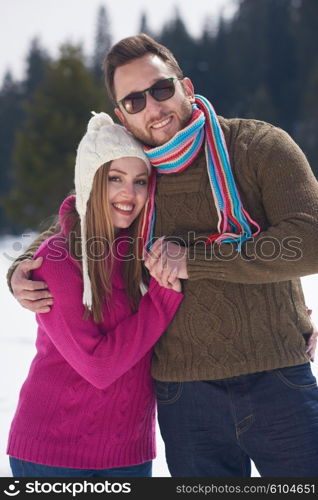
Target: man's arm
{"type": "Point", "coordinates": [32, 295]}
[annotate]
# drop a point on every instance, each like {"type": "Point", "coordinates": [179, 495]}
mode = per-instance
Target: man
{"type": "Point", "coordinates": [239, 209]}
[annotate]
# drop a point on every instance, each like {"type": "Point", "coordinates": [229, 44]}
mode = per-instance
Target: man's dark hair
{"type": "Point", "coordinates": [131, 48]}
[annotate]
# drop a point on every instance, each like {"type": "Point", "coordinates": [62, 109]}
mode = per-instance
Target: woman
{"type": "Point", "coordinates": [87, 407]}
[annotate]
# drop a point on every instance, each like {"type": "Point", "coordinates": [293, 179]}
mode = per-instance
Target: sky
{"type": "Point", "coordinates": [57, 21]}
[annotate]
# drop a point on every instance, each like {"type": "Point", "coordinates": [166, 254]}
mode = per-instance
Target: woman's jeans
{"type": "Point", "coordinates": [215, 428]}
{"type": "Point", "coordinates": [22, 468]}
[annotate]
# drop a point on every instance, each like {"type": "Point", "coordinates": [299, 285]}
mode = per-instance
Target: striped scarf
{"type": "Point", "coordinates": [234, 223]}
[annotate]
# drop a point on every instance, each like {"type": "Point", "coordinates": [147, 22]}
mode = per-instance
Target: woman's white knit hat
{"type": "Point", "coordinates": [104, 141]}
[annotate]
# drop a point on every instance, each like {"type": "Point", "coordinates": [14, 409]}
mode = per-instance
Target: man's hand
{"type": "Point", "coordinates": [32, 295]}
{"type": "Point", "coordinates": [165, 258]}
{"type": "Point", "coordinates": [312, 342]}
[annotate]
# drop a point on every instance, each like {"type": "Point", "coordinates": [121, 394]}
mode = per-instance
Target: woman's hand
{"type": "Point", "coordinates": [156, 263]}
{"type": "Point", "coordinates": [171, 281]}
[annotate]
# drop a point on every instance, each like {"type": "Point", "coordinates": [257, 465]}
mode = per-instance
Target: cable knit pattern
{"type": "Point", "coordinates": [241, 314]}
{"type": "Point", "coordinates": [88, 401]}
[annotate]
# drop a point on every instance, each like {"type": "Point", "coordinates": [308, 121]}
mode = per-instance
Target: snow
{"type": "Point", "coordinates": [17, 349]}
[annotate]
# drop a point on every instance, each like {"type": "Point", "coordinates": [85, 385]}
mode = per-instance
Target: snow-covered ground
{"type": "Point", "coordinates": [17, 338]}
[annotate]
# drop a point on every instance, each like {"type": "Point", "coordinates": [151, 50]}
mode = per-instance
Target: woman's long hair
{"type": "Point", "coordinates": [100, 236]}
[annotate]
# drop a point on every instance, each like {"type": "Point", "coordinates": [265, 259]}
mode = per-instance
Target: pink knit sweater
{"type": "Point", "coordinates": [88, 401]}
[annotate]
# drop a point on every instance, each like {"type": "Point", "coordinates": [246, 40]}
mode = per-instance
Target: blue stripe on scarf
{"type": "Point", "coordinates": [180, 161]}
{"type": "Point", "coordinates": [175, 142]}
{"type": "Point", "coordinates": [212, 175]}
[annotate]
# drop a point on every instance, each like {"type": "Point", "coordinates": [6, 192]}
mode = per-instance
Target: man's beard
{"type": "Point", "coordinates": [146, 138]}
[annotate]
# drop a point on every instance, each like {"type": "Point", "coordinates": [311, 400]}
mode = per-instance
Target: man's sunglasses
{"type": "Point", "coordinates": [160, 91]}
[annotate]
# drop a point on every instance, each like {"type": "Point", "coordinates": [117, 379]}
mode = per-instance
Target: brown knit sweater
{"type": "Point", "coordinates": [242, 312]}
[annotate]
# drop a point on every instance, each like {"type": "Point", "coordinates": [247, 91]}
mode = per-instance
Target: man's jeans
{"type": "Point", "coordinates": [214, 428]}
{"type": "Point", "coordinates": [22, 468]}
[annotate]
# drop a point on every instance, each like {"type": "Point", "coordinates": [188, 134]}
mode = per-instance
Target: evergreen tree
{"type": "Point", "coordinates": [263, 59]}
{"type": "Point", "coordinates": [11, 115]}
{"type": "Point", "coordinates": [206, 78]}
{"type": "Point", "coordinates": [305, 26]}
{"type": "Point", "coordinates": [103, 41]}
{"type": "Point", "coordinates": [282, 64]}
{"type": "Point", "coordinates": [261, 106]}
{"type": "Point", "coordinates": [174, 35]}
{"type": "Point", "coordinates": [306, 131]}
{"type": "Point", "coordinates": [143, 26]}
{"type": "Point", "coordinates": [37, 61]}
{"type": "Point", "coordinates": [45, 148]}
{"type": "Point", "coordinates": [220, 78]}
